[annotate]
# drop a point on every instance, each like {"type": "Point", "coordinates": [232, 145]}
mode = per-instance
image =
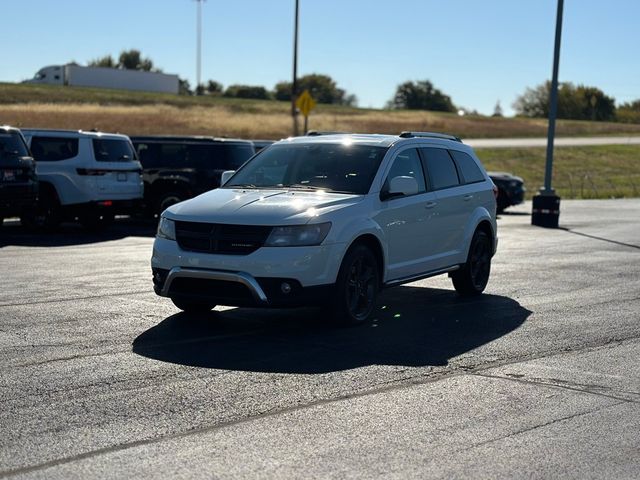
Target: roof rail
{"type": "Point", "coordinates": [317, 133]}
{"type": "Point", "coordinates": [443, 136]}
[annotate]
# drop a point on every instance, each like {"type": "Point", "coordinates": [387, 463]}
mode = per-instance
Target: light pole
{"type": "Point", "coordinates": [294, 83]}
{"type": "Point", "coordinates": [198, 42]}
{"type": "Point", "coordinates": [546, 205]}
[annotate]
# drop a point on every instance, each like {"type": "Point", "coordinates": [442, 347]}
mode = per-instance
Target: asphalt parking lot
{"type": "Point", "coordinates": [537, 378]}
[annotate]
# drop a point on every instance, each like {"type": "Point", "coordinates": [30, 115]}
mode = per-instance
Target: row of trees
{"type": "Point", "coordinates": [579, 102]}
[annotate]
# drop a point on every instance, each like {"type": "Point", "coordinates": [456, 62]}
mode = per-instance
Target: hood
{"type": "Point", "coordinates": [259, 207]}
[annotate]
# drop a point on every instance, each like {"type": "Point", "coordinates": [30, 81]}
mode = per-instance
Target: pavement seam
{"type": "Point", "coordinates": [536, 427]}
{"type": "Point", "coordinates": [62, 300]}
{"type": "Point", "coordinates": [407, 382]}
{"type": "Point", "coordinates": [558, 385]}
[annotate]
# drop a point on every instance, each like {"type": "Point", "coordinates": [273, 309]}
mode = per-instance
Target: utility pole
{"type": "Point", "coordinates": [546, 205]}
{"type": "Point", "coordinates": [294, 83]}
{"type": "Point", "coordinates": [198, 42]}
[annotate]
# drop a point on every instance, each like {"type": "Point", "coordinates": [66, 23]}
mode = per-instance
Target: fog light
{"type": "Point", "coordinates": [285, 287]}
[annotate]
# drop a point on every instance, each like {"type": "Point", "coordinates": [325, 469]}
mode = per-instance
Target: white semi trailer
{"type": "Point", "coordinates": [99, 77]}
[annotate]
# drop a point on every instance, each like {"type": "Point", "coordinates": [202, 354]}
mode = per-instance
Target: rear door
{"type": "Point", "coordinates": [453, 203]}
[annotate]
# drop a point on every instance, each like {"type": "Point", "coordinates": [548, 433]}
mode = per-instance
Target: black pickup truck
{"type": "Point", "coordinates": [177, 168]}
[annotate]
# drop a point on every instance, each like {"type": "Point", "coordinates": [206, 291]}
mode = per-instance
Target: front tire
{"type": "Point", "coordinates": [473, 277]}
{"type": "Point", "coordinates": [193, 306]}
{"type": "Point", "coordinates": [357, 286]}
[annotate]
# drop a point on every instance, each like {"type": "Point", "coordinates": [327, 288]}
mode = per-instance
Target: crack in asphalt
{"type": "Point", "coordinates": [406, 382]}
{"type": "Point", "coordinates": [594, 237]}
{"type": "Point", "coordinates": [565, 386]}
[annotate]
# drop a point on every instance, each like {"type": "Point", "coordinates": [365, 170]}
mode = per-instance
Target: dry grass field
{"type": "Point", "coordinates": [146, 113]}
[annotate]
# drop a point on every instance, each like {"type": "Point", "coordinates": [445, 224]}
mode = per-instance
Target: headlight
{"type": "Point", "coordinates": [298, 235]}
{"type": "Point", "coordinates": [166, 229]}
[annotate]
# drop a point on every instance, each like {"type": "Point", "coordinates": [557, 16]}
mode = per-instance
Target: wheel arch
{"type": "Point", "coordinates": [373, 243]}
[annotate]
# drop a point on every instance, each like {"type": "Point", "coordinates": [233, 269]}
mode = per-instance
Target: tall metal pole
{"type": "Point", "coordinates": [294, 84]}
{"type": "Point", "coordinates": [545, 210]}
{"type": "Point", "coordinates": [553, 104]}
{"type": "Point", "coordinates": [198, 42]}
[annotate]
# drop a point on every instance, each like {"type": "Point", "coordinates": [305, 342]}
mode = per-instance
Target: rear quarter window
{"type": "Point", "coordinates": [440, 168]}
{"type": "Point", "coordinates": [53, 149]}
{"type": "Point", "coordinates": [113, 150]}
{"type": "Point", "coordinates": [471, 173]}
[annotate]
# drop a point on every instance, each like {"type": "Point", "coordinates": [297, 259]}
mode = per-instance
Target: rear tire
{"type": "Point", "coordinates": [193, 306]}
{"type": "Point", "coordinates": [165, 200]}
{"type": "Point", "coordinates": [356, 287]}
{"type": "Point", "coordinates": [473, 277]}
{"type": "Point", "coordinates": [46, 215]}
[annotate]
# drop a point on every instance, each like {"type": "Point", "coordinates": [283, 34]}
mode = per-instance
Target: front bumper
{"type": "Point", "coordinates": [270, 276]}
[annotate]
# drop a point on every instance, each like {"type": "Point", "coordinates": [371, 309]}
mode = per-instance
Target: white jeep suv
{"type": "Point", "coordinates": [86, 175]}
{"type": "Point", "coordinates": [331, 220]}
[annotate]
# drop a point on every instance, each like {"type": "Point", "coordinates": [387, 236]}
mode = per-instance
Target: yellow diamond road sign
{"type": "Point", "coordinates": [305, 103]}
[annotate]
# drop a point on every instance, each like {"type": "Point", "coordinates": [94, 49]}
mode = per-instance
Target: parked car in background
{"type": "Point", "coordinates": [179, 168]}
{"type": "Point", "coordinates": [18, 180]}
{"type": "Point", "coordinates": [330, 220]}
{"type": "Point", "coordinates": [511, 189]}
{"type": "Point", "coordinates": [84, 176]}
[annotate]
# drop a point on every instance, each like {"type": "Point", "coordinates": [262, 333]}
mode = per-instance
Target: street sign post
{"type": "Point", "coordinates": [305, 104]}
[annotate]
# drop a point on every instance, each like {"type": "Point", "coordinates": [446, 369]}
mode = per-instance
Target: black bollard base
{"type": "Point", "coordinates": [545, 211]}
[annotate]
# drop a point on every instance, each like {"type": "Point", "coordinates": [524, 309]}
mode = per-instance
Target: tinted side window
{"type": "Point", "coordinates": [172, 155]}
{"type": "Point", "coordinates": [53, 149]}
{"type": "Point", "coordinates": [440, 168]}
{"type": "Point", "coordinates": [407, 164]}
{"type": "Point", "coordinates": [111, 150]}
{"type": "Point", "coordinates": [469, 169]}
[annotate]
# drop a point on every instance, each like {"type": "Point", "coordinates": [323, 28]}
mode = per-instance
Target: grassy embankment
{"type": "Point", "coordinates": [579, 172]}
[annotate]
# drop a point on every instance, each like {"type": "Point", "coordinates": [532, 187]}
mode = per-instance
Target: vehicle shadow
{"type": "Point", "coordinates": [414, 327]}
{"type": "Point", "coordinates": [69, 234]}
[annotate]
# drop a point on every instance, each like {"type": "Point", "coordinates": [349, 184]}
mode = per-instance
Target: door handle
{"type": "Point", "coordinates": [430, 204]}
{"type": "Point", "coordinates": [467, 197]}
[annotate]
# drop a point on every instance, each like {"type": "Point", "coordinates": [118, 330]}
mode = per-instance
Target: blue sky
{"type": "Point", "coordinates": [478, 52]}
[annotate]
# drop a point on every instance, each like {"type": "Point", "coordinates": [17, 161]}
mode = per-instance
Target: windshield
{"type": "Point", "coordinates": [344, 168]}
{"type": "Point", "coordinates": [111, 150]}
{"type": "Point", "coordinates": [12, 145]}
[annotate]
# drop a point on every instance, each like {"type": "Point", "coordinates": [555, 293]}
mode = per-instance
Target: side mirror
{"type": "Point", "coordinates": [401, 186]}
{"type": "Point", "coordinates": [226, 175]}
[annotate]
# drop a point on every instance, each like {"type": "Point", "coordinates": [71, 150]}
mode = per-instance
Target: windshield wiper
{"type": "Point", "coordinates": [242, 185]}
{"type": "Point", "coordinates": [302, 186]}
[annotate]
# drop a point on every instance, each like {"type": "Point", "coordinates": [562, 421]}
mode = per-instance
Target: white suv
{"type": "Point", "coordinates": [330, 220]}
{"type": "Point", "coordinates": [85, 175]}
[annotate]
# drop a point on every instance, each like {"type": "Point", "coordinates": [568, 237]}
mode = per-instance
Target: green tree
{"type": "Point", "coordinates": [576, 103]}
{"type": "Point", "coordinates": [421, 95]}
{"type": "Point", "coordinates": [107, 61]}
{"type": "Point", "coordinates": [214, 88]}
{"type": "Point", "coordinates": [629, 112]}
{"type": "Point", "coordinates": [132, 60]}
{"type": "Point", "coordinates": [322, 88]}
{"type": "Point", "coordinates": [183, 87]}
{"type": "Point", "coordinates": [247, 91]}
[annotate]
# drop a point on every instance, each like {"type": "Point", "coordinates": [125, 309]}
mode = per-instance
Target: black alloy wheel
{"type": "Point", "coordinates": [473, 277]}
{"type": "Point", "coordinates": [358, 283]}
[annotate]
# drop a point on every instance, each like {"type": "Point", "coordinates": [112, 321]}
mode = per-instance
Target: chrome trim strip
{"type": "Point", "coordinates": [420, 276]}
{"type": "Point", "coordinates": [238, 277]}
